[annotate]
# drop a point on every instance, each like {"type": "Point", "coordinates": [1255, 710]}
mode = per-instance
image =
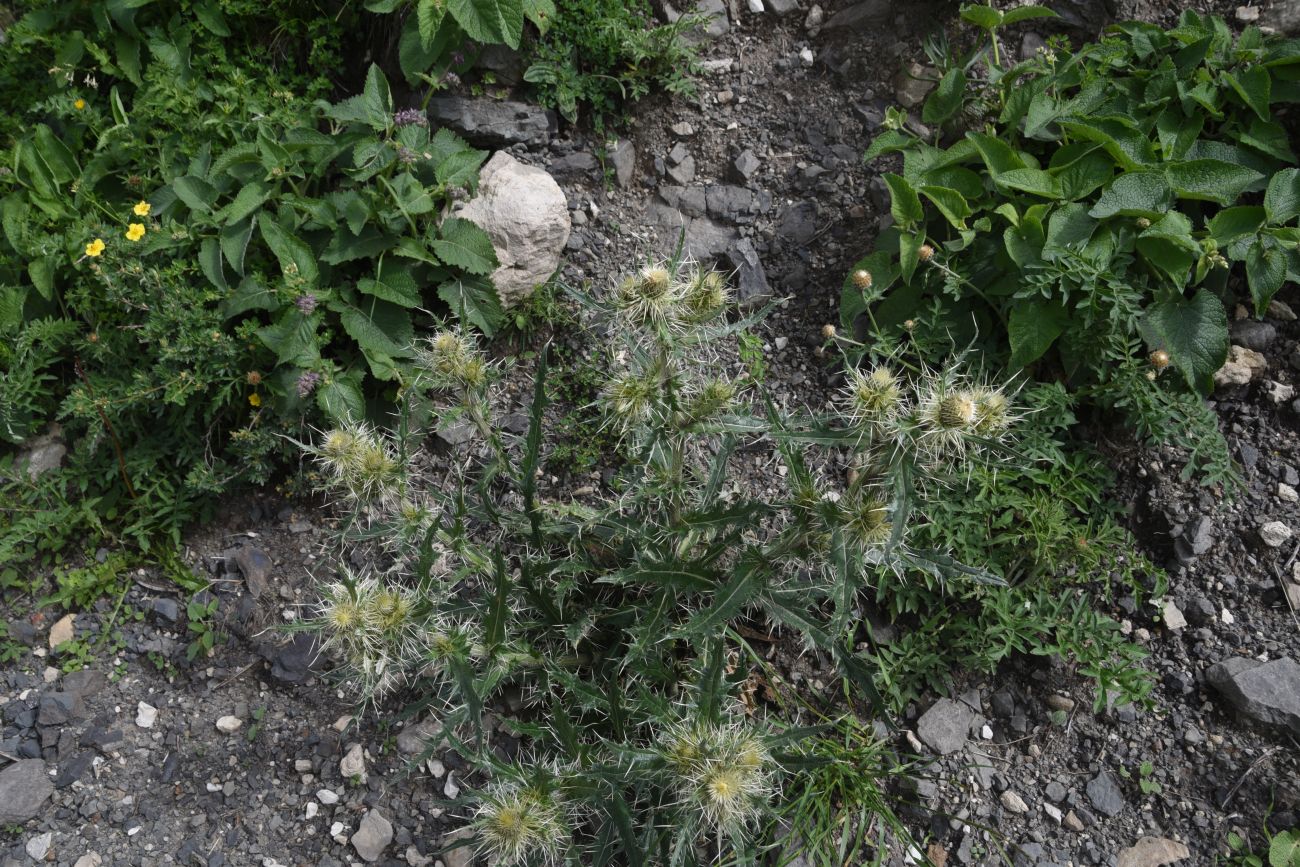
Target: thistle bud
{"type": "Point", "coordinates": [828, 331]}
{"type": "Point", "coordinates": [955, 411]}
{"type": "Point", "coordinates": [992, 411]}
{"type": "Point", "coordinates": [515, 825]}
{"type": "Point", "coordinates": [705, 297]}
{"type": "Point", "coordinates": [650, 298]}
{"type": "Point", "coordinates": [1143, 223]}
{"type": "Point", "coordinates": [925, 253]}
{"type": "Point", "coordinates": [867, 519]}
{"type": "Point", "coordinates": [872, 397]}
{"type": "Point", "coordinates": [1159, 359]}
{"type": "Point", "coordinates": [862, 279]}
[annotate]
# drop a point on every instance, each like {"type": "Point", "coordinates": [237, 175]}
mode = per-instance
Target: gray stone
{"type": "Point", "coordinates": [751, 278]}
{"type": "Point", "coordinates": [524, 212]}
{"type": "Point", "coordinates": [1275, 533]}
{"type": "Point", "coordinates": [1054, 791]}
{"type": "Point", "coordinates": [24, 787]}
{"type": "Point", "coordinates": [782, 7]}
{"type": "Point", "coordinates": [745, 166]}
{"type": "Point", "coordinates": [943, 728]}
{"type": "Point", "coordinates": [689, 200]}
{"type": "Point", "coordinates": [914, 83]}
{"type": "Point", "coordinates": [373, 836]}
{"type": "Point", "coordinates": [59, 707]}
{"type": "Point", "coordinates": [727, 202]}
{"type": "Point", "coordinates": [1105, 795]}
{"type": "Point", "coordinates": [678, 153]}
{"type": "Point", "coordinates": [1266, 691]}
{"type": "Point", "coordinates": [1086, 15]}
{"type": "Point", "coordinates": [41, 454]}
{"type": "Point", "coordinates": [797, 223]}
{"type": "Point", "coordinates": [494, 123]}
{"type": "Point", "coordinates": [1200, 535]}
{"type": "Point", "coordinates": [1284, 17]}
{"type": "Point", "coordinates": [578, 165]}
{"type": "Point", "coordinates": [622, 156]}
{"type": "Point", "coordinates": [1252, 334]}
{"type": "Point", "coordinates": [1152, 852]}
{"type": "Point", "coordinates": [869, 13]}
{"type": "Point", "coordinates": [255, 565]}
{"type": "Point", "coordinates": [39, 846]}
{"type": "Point", "coordinates": [506, 63]}
{"type": "Point", "coordinates": [684, 172]}
{"type": "Point", "coordinates": [716, 12]}
{"type": "Point", "coordinates": [682, 129]}
{"type": "Point", "coordinates": [294, 661]}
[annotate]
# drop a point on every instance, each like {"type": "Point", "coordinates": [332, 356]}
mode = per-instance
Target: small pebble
{"type": "Point", "coordinates": [145, 715]}
{"type": "Point", "coordinates": [229, 724]}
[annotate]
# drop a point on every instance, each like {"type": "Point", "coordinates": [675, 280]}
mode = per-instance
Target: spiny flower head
{"type": "Point", "coordinates": [992, 411]}
{"type": "Point", "coordinates": [867, 518]}
{"type": "Point", "coordinates": [710, 399]}
{"type": "Point", "coordinates": [651, 298]}
{"type": "Point", "coordinates": [452, 360]}
{"type": "Point", "coordinates": [722, 771]}
{"type": "Point", "coordinates": [872, 396]}
{"type": "Point", "coordinates": [630, 398]}
{"type": "Point", "coordinates": [359, 460]}
{"type": "Point", "coordinates": [706, 295]}
{"type": "Point", "coordinates": [515, 824]}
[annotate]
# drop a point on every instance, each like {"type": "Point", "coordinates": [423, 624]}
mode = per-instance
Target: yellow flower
{"type": "Point", "coordinates": [79, 104]}
{"type": "Point", "coordinates": [95, 247]}
{"type": "Point", "coordinates": [255, 399]}
{"type": "Point", "coordinates": [135, 231]}
{"type": "Point", "coordinates": [141, 209]}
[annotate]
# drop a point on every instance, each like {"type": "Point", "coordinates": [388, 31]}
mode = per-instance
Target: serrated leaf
{"type": "Point", "coordinates": [1032, 328]}
{"type": "Point", "coordinates": [41, 271]}
{"type": "Point", "coordinates": [1135, 194]}
{"type": "Point", "coordinates": [888, 142]}
{"type": "Point", "coordinates": [1195, 334]}
{"type": "Point", "coordinates": [1211, 180]}
{"type": "Point", "coordinates": [460, 169]}
{"type": "Point", "coordinates": [475, 301]}
{"type": "Point", "coordinates": [341, 400]}
{"type": "Point", "coordinates": [1128, 145]}
{"type": "Point", "coordinates": [998, 156]}
{"type": "Point", "coordinates": [429, 15]}
{"type": "Point", "coordinates": [466, 246]}
{"type": "Point", "coordinates": [292, 337]}
{"type": "Point", "coordinates": [196, 193]}
{"type": "Point", "coordinates": [1265, 274]}
{"type": "Point", "coordinates": [246, 201]}
{"type": "Point", "coordinates": [296, 258]}
{"type": "Point", "coordinates": [377, 99]}
{"type": "Point", "coordinates": [981, 16]}
{"type": "Point", "coordinates": [378, 326]}
{"type": "Point", "coordinates": [393, 283]}
{"type": "Point", "coordinates": [541, 12]}
{"type": "Point", "coordinates": [1282, 198]}
{"type": "Point", "coordinates": [490, 21]}
{"type": "Point", "coordinates": [1026, 13]}
{"type": "Point", "coordinates": [210, 263]}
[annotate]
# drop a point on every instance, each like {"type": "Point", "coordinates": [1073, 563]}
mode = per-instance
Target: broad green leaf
{"type": "Point", "coordinates": [42, 273]}
{"type": "Point", "coordinates": [410, 195]}
{"type": "Point", "coordinates": [1195, 334]}
{"type": "Point", "coordinates": [249, 295]}
{"type": "Point", "coordinates": [210, 262]}
{"type": "Point", "coordinates": [393, 283]}
{"type": "Point", "coordinates": [292, 337]}
{"type": "Point", "coordinates": [1128, 145]}
{"type": "Point", "coordinates": [209, 15]}
{"type": "Point", "coordinates": [378, 326]}
{"type": "Point", "coordinates": [1025, 13]}
{"type": "Point", "coordinates": [909, 253]}
{"type": "Point", "coordinates": [904, 203]}
{"type": "Point", "coordinates": [1083, 176]}
{"type": "Point", "coordinates": [1069, 228]}
{"type": "Point", "coordinates": [413, 57]}
{"type": "Point", "coordinates": [541, 12]}
{"type": "Point", "coordinates": [1032, 327]}
{"type": "Point", "coordinates": [1254, 86]}
{"type": "Point", "coordinates": [853, 300]}
{"type": "Point", "coordinates": [340, 399]}
{"type": "Point", "coordinates": [296, 258]}
{"type": "Point", "coordinates": [429, 15]}
{"type": "Point", "coordinates": [1282, 199]}
{"type": "Point", "coordinates": [464, 245]}
{"type": "Point", "coordinates": [1269, 137]}
{"type": "Point", "coordinates": [1265, 274]}
{"type": "Point", "coordinates": [950, 203]}
{"type": "Point", "coordinates": [1025, 241]}
{"type": "Point", "coordinates": [490, 20]}
{"type": "Point", "coordinates": [946, 99]}
{"type": "Point", "coordinates": [197, 193]}
{"type": "Point", "coordinates": [1168, 244]}
{"type": "Point", "coordinates": [1231, 224]}
{"type": "Point", "coordinates": [888, 142]}
{"type": "Point", "coordinates": [1284, 849]}
{"type": "Point", "coordinates": [981, 16]}
{"type": "Point", "coordinates": [1135, 194]}
{"type": "Point", "coordinates": [247, 200]}
{"type": "Point", "coordinates": [1211, 180]}
{"type": "Point", "coordinates": [1035, 181]}
{"type": "Point", "coordinates": [378, 99]}
{"type": "Point", "coordinates": [461, 168]}
{"type": "Point", "coordinates": [475, 301]}
{"type": "Point", "coordinates": [997, 154]}
{"type": "Point", "coordinates": [62, 164]}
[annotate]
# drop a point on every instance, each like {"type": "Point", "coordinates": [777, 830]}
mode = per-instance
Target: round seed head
{"type": "Point", "coordinates": [1159, 359]}
{"type": "Point", "coordinates": [926, 253]}
{"type": "Point", "coordinates": [992, 411]}
{"type": "Point", "coordinates": [630, 398]}
{"type": "Point", "coordinates": [873, 396]}
{"type": "Point", "coordinates": [955, 411]}
{"type": "Point", "coordinates": [514, 826]}
{"type": "Point", "coordinates": [862, 279]}
{"type": "Point", "coordinates": [828, 331]}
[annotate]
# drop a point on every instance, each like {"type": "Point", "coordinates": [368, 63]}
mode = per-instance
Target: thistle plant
{"type": "Point", "coordinates": [609, 625]}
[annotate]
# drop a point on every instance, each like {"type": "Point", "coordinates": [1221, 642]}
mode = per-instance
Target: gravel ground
{"type": "Point", "coordinates": [250, 756]}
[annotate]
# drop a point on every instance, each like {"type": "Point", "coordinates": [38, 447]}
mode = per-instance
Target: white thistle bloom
{"type": "Point", "coordinates": [515, 824]}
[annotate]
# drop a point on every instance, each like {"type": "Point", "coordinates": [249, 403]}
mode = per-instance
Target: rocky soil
{"type": "Point", "coordinates": [250, 756]}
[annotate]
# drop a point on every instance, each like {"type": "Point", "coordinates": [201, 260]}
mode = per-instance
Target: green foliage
{"type": "Point", "coordinates": [198, 615]}
{"type": "Point", "coordinates": [1108, 209]}
{"type": "Point", "coordinates": [1283, 850]}
{"type": "Point", "coordinates": [195, 261]}
{"type": "Point", "coordinates": [603, 55]}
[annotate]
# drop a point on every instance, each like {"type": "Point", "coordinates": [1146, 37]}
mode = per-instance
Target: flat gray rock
{"type": "Point", "coordinates": [24, 787]}
{"type": "Point", "coordinates": [373, 836]}
{"type": "Point", "coordinates": [1266, 691]}
{"type": "Point", "coordinates": [944, 727]}
{"type": "Point", "coordinates": [1105, 795]}
{"type": "Point", "coordinates": [494, 123]}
